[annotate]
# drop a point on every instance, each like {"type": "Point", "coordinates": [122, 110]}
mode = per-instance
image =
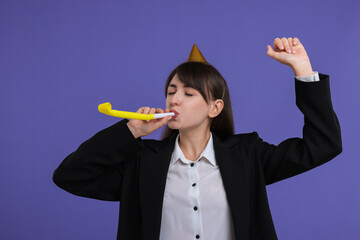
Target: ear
{"type": "Point", "coordinates": [216, 107]}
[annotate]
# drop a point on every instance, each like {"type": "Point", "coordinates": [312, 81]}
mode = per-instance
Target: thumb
{"type": "Point", "coordinates": [162, 122]}
{"type": "Point", "coordinates": [270, 52]}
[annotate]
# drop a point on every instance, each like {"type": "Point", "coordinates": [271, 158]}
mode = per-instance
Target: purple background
{"type": "Point", "coordinates": [60, 59]}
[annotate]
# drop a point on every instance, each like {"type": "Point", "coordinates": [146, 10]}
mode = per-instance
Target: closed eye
{"type": "Point", "coordinates": [186, 94]}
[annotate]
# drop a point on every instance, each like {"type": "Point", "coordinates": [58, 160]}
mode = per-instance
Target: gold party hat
{"type": "Point", "coordinates": [195, 55]}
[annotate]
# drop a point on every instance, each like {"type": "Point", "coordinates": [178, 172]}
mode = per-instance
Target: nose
{"type": "Point", "coordinates": [175, 99]}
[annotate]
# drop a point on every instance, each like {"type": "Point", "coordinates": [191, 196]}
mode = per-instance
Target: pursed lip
{"type": "Point", "coordinates": [174, 111]}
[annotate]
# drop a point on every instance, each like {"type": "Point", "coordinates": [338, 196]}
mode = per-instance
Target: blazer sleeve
{"type": "Point", "coordinates": [321, 140]}
{"type": "Point", "coordinates": [95, 169]}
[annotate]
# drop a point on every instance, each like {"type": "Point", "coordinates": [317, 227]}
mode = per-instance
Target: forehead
{"type": "Point", "coordinates": [176, 82]}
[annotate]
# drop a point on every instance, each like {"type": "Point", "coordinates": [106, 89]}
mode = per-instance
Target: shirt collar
{"type": "Point", "coordinates": [208, 152]}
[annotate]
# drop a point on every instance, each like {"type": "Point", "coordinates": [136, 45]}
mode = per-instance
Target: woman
{"type": "Point", "coordinates": [202, 181]}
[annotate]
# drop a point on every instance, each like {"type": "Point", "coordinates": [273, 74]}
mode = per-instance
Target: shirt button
{"type": "Point", "coordinates": [194, 184]}
{"type": "Point", "coordinates": [192, 164]}
{"type": "Point", "coordinates": [197, 236]}
{"type": "Point", "coordinates": [195, 208]}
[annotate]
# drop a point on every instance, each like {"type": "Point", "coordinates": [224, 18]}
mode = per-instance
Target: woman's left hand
{"type": "Point", "coordinates": [291, 52]}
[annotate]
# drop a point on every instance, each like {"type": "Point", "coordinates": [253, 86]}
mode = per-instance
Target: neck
{"type": "Point", "coordinates": [192, 143]}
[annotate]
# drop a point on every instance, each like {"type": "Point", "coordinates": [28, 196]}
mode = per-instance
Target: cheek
{"type": "Point", "coordinates": [199, 110]}
{"type": "Point", "coordinates": [201, 106]}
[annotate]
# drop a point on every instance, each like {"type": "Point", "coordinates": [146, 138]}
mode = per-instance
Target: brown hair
{"type": "Point", "coordinates": [211, 85]}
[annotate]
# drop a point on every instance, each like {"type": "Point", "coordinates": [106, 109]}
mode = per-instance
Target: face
{"type": "Point", "coordinates": [193, 111]}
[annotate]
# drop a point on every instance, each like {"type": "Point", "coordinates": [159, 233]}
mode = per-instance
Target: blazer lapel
{"type": "Point", "coordinates": [153, 169]}
{"type": "Point", "coordinates": [235, 173]}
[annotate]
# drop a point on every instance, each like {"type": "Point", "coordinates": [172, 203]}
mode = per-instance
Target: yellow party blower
{"type": "Point", "coordinates": [106, 109]}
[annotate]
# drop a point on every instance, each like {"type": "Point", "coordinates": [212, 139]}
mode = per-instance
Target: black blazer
{"type": "Point", "coordinates": [114, 166]}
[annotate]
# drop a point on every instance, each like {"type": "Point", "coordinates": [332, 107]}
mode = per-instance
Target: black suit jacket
{"type": "Point", "coordinates": [114, 166]}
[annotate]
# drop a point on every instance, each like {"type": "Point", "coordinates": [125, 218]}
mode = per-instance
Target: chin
{"type": "Point", "coordinates": [173, 125]}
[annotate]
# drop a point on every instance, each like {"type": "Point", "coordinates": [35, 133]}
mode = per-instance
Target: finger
{"type": "Point", "coordinates": [159, 110]}
{"type": "Point", "coordinates": [286, 45]}
{"type": "Point", "coordinates": [146, 110]}
{"type": "Point", "coordinates": [140, 110]}
{"type": "Point", "coordinates": [298, 42]}
{"type": "Point", "coordinates": [167, 110]}
{"type": "Point", "coordinates": [278, 45]}
{"type": "Point", "coordinates": [152, 110]}
{"type": "Point", "coordinates": [290, 41]}
{"type": "Point", "coordinates": [295, 41]}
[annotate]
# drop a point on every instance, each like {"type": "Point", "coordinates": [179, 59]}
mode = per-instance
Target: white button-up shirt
{"type": "Point", "coordinates": [195, 204]}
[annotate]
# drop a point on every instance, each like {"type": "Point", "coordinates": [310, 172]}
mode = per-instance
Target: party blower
{"type": "Point", "coordinates": [106, 109]}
